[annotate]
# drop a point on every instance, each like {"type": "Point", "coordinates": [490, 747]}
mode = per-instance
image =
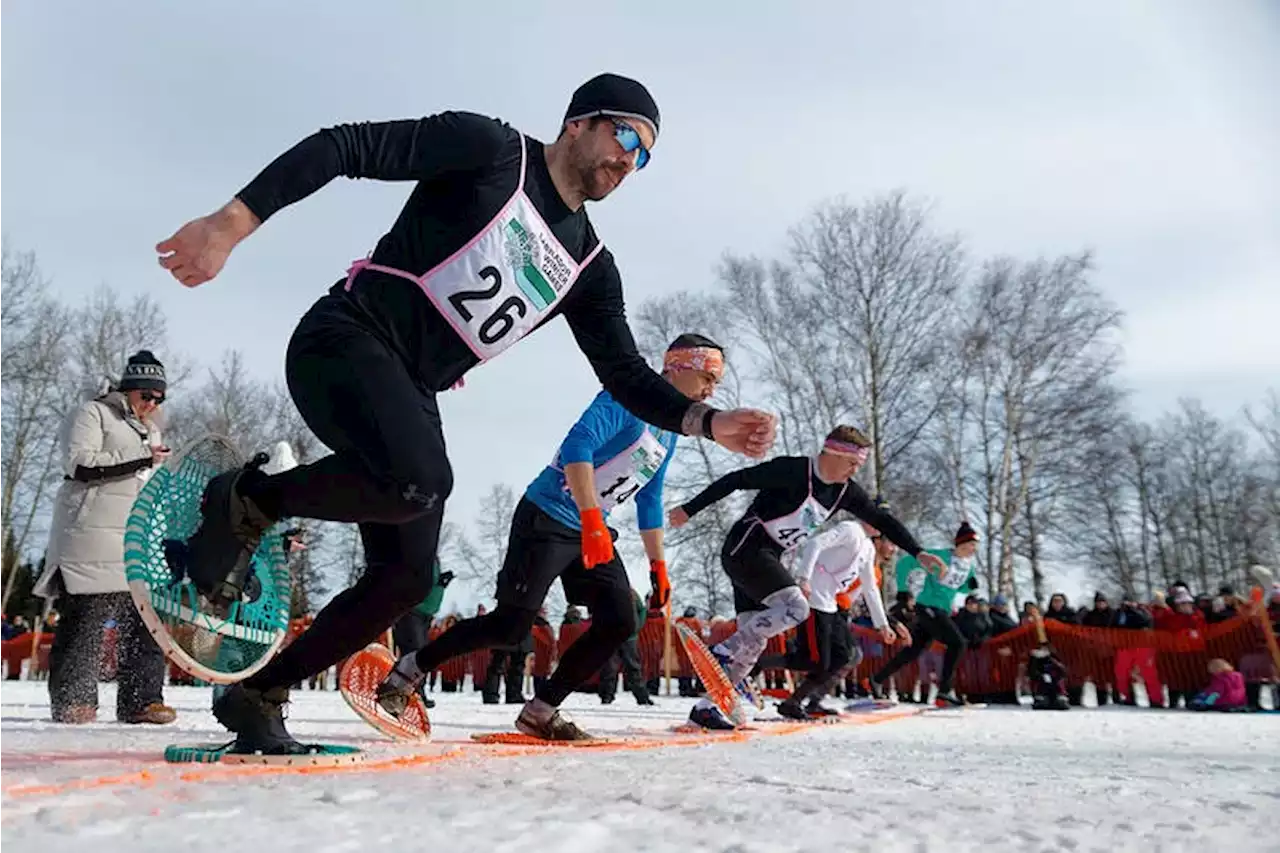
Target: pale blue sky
{"type": "Point", "coordinates": [1146, 131]}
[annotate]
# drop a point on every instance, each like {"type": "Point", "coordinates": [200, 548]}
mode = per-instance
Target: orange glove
{"type": "Point", "coordinates": [660, 583]}
{"type": "Point", "coordinates": [597, 543]}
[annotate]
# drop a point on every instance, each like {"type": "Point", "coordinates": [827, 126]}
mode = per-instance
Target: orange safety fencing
{"type": "Point", "coordinates": [1105, 656]}
{"type": "Point", "coordinates": [651, 642]}
{"type": "Point", "coordinates": [14, 651]}
{"type": "Point", "coordinates": [544, 650]}
{"type": "Point", "coordinates": [26, 646]}
{"type": "Point", "coordinates": [1108, 657]}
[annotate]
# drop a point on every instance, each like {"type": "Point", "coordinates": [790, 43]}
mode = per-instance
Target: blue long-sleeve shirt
{"type": "Point", "coordinates": [604, 431]}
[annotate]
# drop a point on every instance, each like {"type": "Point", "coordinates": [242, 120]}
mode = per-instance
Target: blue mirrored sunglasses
{"type": "Point", "coordinates": [629, 139]}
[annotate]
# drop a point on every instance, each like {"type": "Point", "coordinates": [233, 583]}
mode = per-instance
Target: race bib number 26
{"type": "Point", "coordinates": [498, 320]}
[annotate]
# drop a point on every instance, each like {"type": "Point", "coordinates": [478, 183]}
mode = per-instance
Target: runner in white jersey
{"type": "Point", "coordinates": [828, 566]}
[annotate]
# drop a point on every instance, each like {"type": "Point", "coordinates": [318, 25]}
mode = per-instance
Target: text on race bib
{"type": "Point", "coordinates": [502, 319]}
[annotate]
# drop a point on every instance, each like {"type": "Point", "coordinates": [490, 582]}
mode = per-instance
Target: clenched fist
{"type": "Point", "coordinates": [747, 431]}
{"type": "Point", "coordinates": [198, 250]}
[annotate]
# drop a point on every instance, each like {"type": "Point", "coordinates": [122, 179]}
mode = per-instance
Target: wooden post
{"type": "Point", "coordinates": [666, 648]}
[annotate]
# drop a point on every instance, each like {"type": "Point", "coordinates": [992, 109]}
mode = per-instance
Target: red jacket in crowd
{"type": "Point", "coordinates": [1168, 619]}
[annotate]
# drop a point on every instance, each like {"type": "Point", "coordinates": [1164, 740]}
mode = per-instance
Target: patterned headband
{"type": "Point", "coordinates": [843, 448]}
{"type": "Point", "coordinates": [695, 358]}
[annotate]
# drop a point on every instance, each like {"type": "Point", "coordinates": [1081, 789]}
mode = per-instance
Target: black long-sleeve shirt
{"type": "Point", "coordinates": [784, 484]}
{"type": "Point", "coordinates": [466, 167]}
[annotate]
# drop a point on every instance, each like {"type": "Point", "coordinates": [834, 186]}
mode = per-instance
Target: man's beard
{"type": "Point", "coordinates": [596, 180]}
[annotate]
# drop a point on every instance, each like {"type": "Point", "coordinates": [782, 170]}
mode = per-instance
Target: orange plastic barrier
{"type": "Point", "coordinates": [1110, 658]}
{"type": "Point", "coordinates": [14, 651]}
{"type": "Point", "coordinates": [454, 670]}
{"type": "Point", "coordinates": [478, 665]}
{"type": "Point", "coordinates": [1105, 656]}
{"type": "Point", "coordinates": [651, 643]}
{"type": "Point", "coordinates": [544, 650]}
{"type": "Point", "coordinates": [569, 634]}
{"type": "Point", "coordinates": [720, 631]}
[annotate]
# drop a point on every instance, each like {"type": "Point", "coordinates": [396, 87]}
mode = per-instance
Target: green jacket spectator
{"type": "Point", "coordinates": [430, 605]}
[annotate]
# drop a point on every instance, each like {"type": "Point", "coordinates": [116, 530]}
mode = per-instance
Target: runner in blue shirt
{"type": "Point", "coordinates": [558, 530]}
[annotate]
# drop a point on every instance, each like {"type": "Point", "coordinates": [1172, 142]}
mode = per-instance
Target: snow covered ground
{"type": "Point", "coordinates": [990, 780]}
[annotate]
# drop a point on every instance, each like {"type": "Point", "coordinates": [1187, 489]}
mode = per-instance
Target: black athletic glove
{"type": "Point", "coordinates": [446, 578]}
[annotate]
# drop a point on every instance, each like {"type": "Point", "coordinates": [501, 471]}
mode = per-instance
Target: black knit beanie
{"type": "Point", "coordinates": [966, 534]}
{"type": "Point", "coordinates": [614, 95]}
{"type": "Point", "coordinates": [142, 372]}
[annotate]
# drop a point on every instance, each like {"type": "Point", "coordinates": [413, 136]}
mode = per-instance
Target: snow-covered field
{"type": "Point", "coordinates": [990, 780]}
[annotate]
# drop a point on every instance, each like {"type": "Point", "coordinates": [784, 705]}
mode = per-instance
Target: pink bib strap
{"type": "Point", "coordinates": [366, 264]}
{"type": "Point", "coordinates": [591, 257]}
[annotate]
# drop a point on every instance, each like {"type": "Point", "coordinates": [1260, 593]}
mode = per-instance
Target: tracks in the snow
{"type": "Point", "coordinates": [155, 772]}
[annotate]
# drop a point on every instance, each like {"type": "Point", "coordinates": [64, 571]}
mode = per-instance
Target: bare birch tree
{"type": "Point", "coordinates": [853, 327]}
{"type": "Point", "coordinates": [479, 555]}
{"type": "Point", "coordinates": [1208, 489]}
{"type": "Point", "coordinates": [1104, 522]}
{"type": "Point", "coordinates": [35, 329]}
{"type": "Point", "coordinates": [884, 281]}
{"type": "Point", "coordinates": [1035, 362]}
{"type": "Point", "coordinates": [107, 329]}
{"type": "Point", "coordinates": [228, 401]}
{"type": "Point", "coordinates": [1265, 421]}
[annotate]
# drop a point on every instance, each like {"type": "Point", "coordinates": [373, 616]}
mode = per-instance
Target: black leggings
{"type": "Point", "coordinates": [507, 624]}
{"type": "Point", "coordinates": [931, 624]}
{"type": "Point", "coordinates": [753, 562]}
{"type": "Point", "coordinates": [388, 472]}
{"type": "Point", "coordinates": [823, 649]}
{"type": "Point", "coordinates": [539, 550]}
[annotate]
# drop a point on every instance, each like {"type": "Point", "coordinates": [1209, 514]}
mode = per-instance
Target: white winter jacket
{"type": "Point", "coordinates": [106, 459]}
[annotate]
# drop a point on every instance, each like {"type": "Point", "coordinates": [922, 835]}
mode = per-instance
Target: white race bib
{"type": "Point", "coordinates": [957, 572]}
{"type": "Point", "coordinates": [792, 529]}
{"type": "Point", "coordinates": [618, 479]}
{"type": "Point", "coordinates": [503, 283]}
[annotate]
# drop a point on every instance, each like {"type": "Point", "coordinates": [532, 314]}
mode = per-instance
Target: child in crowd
{"type": "Point", "coordinates": [1225, 691]}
